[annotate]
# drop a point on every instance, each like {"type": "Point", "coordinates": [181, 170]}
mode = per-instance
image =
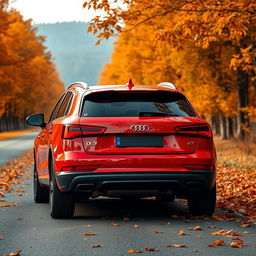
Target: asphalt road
{"type": "Point", "coordinates": [147, 223]}
{"type": "Point", "coordinates": [15, 146]}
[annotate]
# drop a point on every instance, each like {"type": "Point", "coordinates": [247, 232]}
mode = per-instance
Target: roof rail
{"type": "Point", "coordinates": [79, 84]}
{"type": "Point", "coordinates": [167, 85]}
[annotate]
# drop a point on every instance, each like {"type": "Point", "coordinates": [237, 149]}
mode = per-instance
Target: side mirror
{"type": "Point", "coordinates": [36, 120]}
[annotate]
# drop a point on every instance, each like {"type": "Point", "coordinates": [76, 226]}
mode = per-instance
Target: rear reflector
{"type": "Point", "coordinates": [73, 131]}
{"type": "Point", "coordinates": [195, 167]}
{"type": "Point", "coordinates": [79, 168]}
{"type": "Point", "coordinates": [200, 129]}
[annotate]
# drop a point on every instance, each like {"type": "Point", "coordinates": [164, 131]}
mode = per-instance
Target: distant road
{"type": "Point", "coordinates": [13, 147]}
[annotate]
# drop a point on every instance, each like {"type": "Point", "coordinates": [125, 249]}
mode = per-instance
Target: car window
{"type": "Point", "coordinates": [56, 108]}
{"type": "Point", "coordinates": [69, 104]}
{"type": "Point", "coordinates": [133, 104]}
{"type": "Point", "coordinates": [64, 105]}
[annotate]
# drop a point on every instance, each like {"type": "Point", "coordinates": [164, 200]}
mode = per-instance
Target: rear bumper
{"type": "Point", "coordinates": [182, 183]}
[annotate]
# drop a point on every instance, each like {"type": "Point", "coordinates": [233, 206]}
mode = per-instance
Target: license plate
{"type": "Point", "coordinates": [139, 141]}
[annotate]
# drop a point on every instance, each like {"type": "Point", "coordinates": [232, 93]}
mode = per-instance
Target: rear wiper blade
{"type": "Point", "coordinates": [155, 114]}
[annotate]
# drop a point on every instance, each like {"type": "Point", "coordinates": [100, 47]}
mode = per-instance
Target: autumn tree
{"type": "Point", "coordinates": [28, 78]}
{"type": "Point", "coordinates": [201, 73]}
{"type": "Point", "coordinates": [228, 25]}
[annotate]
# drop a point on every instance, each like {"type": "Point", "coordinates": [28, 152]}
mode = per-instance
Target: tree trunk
{"type": "Point", "coordinates": [230, 127]}
{"type": "Point", "coordinates": [243, 98]}
{"type": "Point", "coordinates": [223, 127]}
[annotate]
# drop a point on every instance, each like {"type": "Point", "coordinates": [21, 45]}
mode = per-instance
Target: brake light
{"type": "Point", "coordinates": [73, 131]}
{"type": "Point", "coordinates": [200, 129]}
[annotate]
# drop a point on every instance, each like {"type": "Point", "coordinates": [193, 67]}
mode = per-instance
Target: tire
{"type": "Point", "coordinates": [41, 194]}
{"type": "Point", "coordinates": [203, 204]}
{"type": "Point", "coordinates": [62, 204]}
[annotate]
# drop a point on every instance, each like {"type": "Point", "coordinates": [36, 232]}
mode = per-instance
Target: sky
{"type": "Point", "coordinates": [51, 11]}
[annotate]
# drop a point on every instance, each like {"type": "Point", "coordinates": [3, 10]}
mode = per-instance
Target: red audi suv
{"type": "Point", "coordinates": [123, 141]}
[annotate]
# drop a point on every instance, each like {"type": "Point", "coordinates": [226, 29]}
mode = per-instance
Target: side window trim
{"type": "Point", "coordinates": [58, 104]}
{"type": "Point", "coordinates": [71, 96]}
{"type": "Point", "coordinates": [67, 110]}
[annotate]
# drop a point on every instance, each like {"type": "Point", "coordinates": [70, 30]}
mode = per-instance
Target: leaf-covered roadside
{"type": "Point", "coordinates": [236, 176]}
{"type": "Point", "coordinates": [10, 174]}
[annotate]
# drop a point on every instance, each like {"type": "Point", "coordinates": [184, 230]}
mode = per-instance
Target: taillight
{"type": "Point", "coordinates": [200, 129]}
{"type": "Point", "coordinates": [72, 131]}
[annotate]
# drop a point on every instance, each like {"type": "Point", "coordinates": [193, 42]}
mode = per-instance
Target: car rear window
{"type": "Point", "coordinates": [134, 104]}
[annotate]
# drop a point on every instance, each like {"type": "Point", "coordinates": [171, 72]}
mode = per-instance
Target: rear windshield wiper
{"type": "Point", "coordinates": [155, 114]}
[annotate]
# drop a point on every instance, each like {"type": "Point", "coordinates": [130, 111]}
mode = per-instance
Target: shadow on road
{"type": "Point", "coordinates": [141, 208]}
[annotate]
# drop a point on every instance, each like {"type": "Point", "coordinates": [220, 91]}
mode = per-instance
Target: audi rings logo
{"type": "Point", "coordinates": [139, 128]}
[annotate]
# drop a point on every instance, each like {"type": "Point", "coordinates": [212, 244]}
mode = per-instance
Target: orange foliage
{"type": "Point", "coordinates": [207, 48]}
{"type": "Point", "coordinates": [28, 78]}
{"type": "Point", "coordinates": [10, 174]}
{"type": "Point", "coordinates": [202, 22]}
{"type": "Point", "coordinates": [202, 74]}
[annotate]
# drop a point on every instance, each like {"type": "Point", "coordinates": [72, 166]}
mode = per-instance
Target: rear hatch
{"type": "Point", "coordinates": [138, 122]}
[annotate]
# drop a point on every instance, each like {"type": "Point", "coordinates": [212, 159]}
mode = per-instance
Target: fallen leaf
{"type": "Point", "coordinates": [194, 250]}
{"type": "Point", "coordinates": [19, 219]}
{"type": "Point", "coordinates": [2, 238]}
{"type": "Point", "coordinates": [149, 249]}
{"type": "Point", "coordinates": [126, 219]}
{"type": "Point", "coordinates": [134, 251]}
{"type": "Point", "coordinates": [176, 245]}
{"type": "Point", "coordinates": [197, 228]}
{"type": "Point", "coordinates": [182, 233]}
{"type": "Point", "coordinates": [5, 205]}
{"type": "Point", "coordinates": [158, 232]}
{"type": "Point", "coordinates": [16, 253]}
{"type": "Point", "coordinates": [245, 225]}
{"type": "Point", "coordinates": [96, 245]}
{"type": "Point", "coordinates": [217, 242]}
{"type": "Point", "coordinates": [90, 234]}
{"type": "Point", "coordinates": [228, 233]}
{"type": "Point", "coordinates": [114, 224]}
{"type": "Point", "coordinates": [136, 226]}
{"type": "Point", "coordinates": [237, 243]}
{"type": "Point", "coordinates": [18, 194]}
